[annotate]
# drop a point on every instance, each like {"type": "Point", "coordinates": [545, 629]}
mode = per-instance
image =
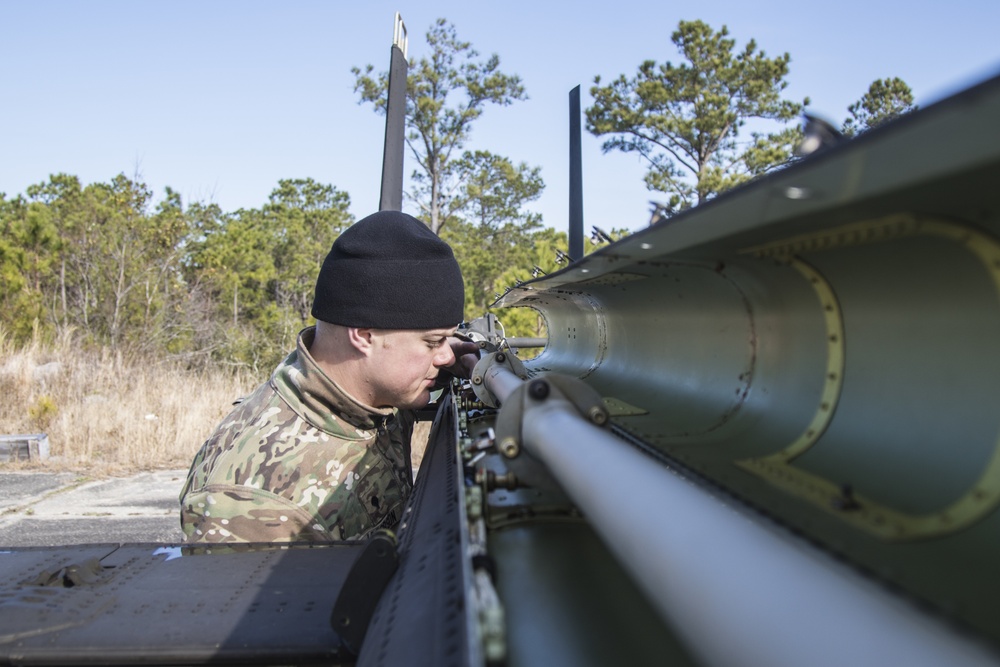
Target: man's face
{"type": "Point", "coordinates": [405, 365]}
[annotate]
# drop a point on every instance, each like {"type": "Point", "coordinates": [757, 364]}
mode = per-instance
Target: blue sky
{"type": "Point", "coordinates": [220, 100]}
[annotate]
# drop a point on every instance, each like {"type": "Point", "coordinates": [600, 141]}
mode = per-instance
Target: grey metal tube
{"type": "Point", "coordinates": [738, 592]}
{"type": "Point", "coordinates": [500, 382]}
{"type": "Point", "coordinates": [527, 342]}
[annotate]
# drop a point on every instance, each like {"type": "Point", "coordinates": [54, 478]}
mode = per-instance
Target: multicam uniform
{"type": "Point", "coordinates": [299, 459]}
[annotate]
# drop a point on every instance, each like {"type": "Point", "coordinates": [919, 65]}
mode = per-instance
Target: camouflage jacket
{"type": "Point", "coordinates": [299, 459]}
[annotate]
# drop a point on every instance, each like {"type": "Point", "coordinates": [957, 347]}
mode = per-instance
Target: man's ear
{"type": "Point", "coordinates": [361, 339]}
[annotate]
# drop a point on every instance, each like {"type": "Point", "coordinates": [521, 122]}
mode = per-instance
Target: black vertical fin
{"type": "Point", "coordinates": [575, 178]}
{"type": "Point", "coordinates": [391, 197]}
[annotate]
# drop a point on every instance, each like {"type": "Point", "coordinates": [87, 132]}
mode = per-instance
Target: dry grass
{"type": "Point", "coordinates": [108, 414]}
{"type": "Point", "coordinates": [418, 442]}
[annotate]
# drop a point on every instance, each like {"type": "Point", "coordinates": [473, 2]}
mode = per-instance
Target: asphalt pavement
{"type": "Point", "coordinates": [51, 509]}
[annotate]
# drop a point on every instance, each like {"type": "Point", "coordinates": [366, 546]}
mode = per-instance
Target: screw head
{"type": "Point", "coordinates": [538, 389]}
{"type": "Point", "coordinates": [477, 379]}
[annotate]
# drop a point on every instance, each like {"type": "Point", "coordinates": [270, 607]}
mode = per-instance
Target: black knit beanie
{"type": "Point", "coordinates": [389, 271]}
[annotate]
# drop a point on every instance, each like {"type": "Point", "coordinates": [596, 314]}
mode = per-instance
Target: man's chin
{"type": "Point", "coordinates": [420, 401]}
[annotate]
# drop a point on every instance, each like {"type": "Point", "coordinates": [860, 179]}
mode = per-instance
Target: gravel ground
{"type": "Point", "coordinates": [51, 509]}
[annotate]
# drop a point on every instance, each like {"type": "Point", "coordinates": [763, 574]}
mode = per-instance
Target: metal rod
{"type": "Point", "coordinates": [527, 342]}
{"type": "Point", "coordinates": [737, 591]}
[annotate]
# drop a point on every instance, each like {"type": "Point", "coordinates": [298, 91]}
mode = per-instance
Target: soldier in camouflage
{"type": "Point", "coordinates": [321, 451]}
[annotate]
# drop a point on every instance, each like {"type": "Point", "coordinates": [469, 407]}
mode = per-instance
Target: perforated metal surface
{"type": "Point", "coordinates": [151, 604]}
{"type": "Point", "coordinates": [421, 619]}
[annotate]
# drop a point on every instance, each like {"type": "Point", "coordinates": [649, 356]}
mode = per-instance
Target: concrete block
{"type": "Point", "coordinates": [24, 447]}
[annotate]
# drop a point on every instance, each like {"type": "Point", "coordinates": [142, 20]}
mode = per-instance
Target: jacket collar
{"type": "Point", "coordinates": [316, 397]}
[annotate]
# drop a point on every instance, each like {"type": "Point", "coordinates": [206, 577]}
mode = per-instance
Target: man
{"type": "Point", "coordinates": [321, 451]}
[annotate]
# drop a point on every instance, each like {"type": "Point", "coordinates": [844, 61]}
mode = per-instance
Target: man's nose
{"type": "Point", "coordinates": [446, 357]}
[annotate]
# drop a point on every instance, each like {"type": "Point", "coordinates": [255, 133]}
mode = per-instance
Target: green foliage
{"type": "Point", "coordinates": [885, 100]}
{"type": "Point", "coordinates": [235, 261]}
{"type": "Point", "coordinates": [305, 217]}
{"type": "Point", "coordinates": [496, 190]}
{"type": "Point", "coordinates": [192, 282]}
{"type": "Point", "coordinates": [539, 253]}
{"type": "Point", "coordinates": [686, 120]}
{"type": "Point", "coordinates": [118, 272]}
{"type": "Point", "coordinates": [196, 282]}
{"type": "Point", "coordinates": [19, 304]}
{"type": "Point", "coordinates": [446, 92]}
{"type": "Point", "coordinates": [495, 231]}
{"type": "Point", "coordinates": [258, 268]}
{"type": "Point", "coordinates": [93, 260]}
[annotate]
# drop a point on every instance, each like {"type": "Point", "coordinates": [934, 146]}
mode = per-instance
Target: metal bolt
{"type": "Point", "coordinates": [506, 480]}
{"type": "Point", "coordinates": [476, 379]}
{"type": "Point", "coordinates": [492, 481]}
{"type": "Point", "coordinates": [598, 415]}
{"type": "Point", "coordinates": [509, 447]}
{"type": "Point", "coordinates": [538, 389]}
{"type": "Point", "coordinates": [501, 357]}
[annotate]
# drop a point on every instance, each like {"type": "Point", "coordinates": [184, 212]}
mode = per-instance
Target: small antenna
{"type": "Point", "coordinates": [399, 38]}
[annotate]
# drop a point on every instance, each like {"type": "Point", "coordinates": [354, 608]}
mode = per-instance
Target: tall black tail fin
{"type": "Point", "coordinates": [575, 178]}
{"type": "Point", "coordinates": [391, 197]}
